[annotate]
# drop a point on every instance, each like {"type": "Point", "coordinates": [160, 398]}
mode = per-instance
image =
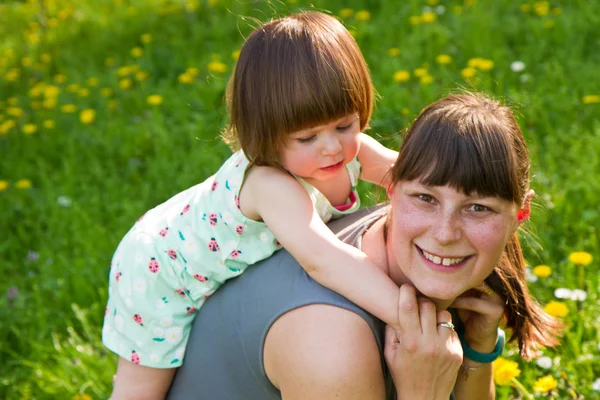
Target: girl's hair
{"type": "Point", "coordinates": [474, 144]}
{"type": "Point", "coordinates": [293, 73]}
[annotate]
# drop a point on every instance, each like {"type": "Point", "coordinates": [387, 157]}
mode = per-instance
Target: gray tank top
{"type": "Point", "coordinates": [224, 355]}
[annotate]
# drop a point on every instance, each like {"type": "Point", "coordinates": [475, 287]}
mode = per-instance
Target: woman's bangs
{"type": "Point", "coordinates": [468, 164]}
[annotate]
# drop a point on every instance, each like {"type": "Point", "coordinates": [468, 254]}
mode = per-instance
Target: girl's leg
{"type": "Point", "coordinates": [135, 382]}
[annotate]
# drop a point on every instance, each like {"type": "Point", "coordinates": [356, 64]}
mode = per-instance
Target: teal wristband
{"type": "Point", "coordinates": [484, 358]}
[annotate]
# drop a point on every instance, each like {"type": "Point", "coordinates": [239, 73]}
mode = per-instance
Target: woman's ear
{"type": "Point", "coordinates": [525, 211]}
{"type": "Point", "coordinates": [390, 190]}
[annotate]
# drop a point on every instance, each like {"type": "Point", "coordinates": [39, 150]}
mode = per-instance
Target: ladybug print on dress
{"type": "Point", "coordinates": [138, 319]}
{"type": "Point", "coordinates": [212, 245]}
{"type": "Point", "coordinates": [181, 292]}
{"type": "Point", "coordinates": [239, 229]}
{"type": "Point", "coordinates": [237, 201]}
{"type": "Point", "coordinates": [153, 265]}
{"type": "Point", "coordinates": [163, 232]}
{"type": "Point", "coordinates": [200, 278]}
{"type": "Point", "coordinates": [191, 310]}
{"type": "Point", "coordinates": [235, 253]}
{"type": "Point", "coordinates": [214, 186]}
{"type": "Point", "coordinates": [172, 253]}
{"type": "Point", "coordinates": [212, 219]}
{"type": "Point", "coordinates": [185, 209]}
{"type": "Point", "coordinates": [118, 276]}
{"type": "Point", "coordinates": [135, 358]}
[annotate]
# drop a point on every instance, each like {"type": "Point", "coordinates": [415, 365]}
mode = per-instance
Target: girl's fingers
{"type": "Point", "coordinates": [428, 318]}
{"type": "Point", "coordinates": [444, 324]}
{"type": "Point", "coordinates": [408, 311]}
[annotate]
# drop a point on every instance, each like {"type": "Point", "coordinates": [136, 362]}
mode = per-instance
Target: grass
{"type": "Point", "coordinates": [70, 187]}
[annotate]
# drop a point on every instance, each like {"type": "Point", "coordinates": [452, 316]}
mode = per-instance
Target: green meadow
{"type": "Point", "coordinates": [109, 107]}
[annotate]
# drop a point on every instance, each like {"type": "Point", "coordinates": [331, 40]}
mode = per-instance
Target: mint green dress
{"type": "Point", "coordinates": [178, 254]}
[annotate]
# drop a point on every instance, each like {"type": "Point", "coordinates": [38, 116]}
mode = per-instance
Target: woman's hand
{"type": "Point", "coordinates": [480, 310]}
{"type": "Point", "coordinates": [423, 356]}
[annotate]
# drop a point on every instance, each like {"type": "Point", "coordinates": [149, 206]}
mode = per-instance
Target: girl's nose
{"type": "Point", "coordinates": [448, 229]}
{"type": "Point", "coordinates": [331, 145]}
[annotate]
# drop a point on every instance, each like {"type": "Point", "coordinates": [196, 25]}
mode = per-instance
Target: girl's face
{"type": "Point", "coordinates": [444, 241]}
{"type": "Point", "coordinates": [320, 153]}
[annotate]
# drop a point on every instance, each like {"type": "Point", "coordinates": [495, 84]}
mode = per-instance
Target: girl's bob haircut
{"type": "Point", "coordinates": [293, 73]}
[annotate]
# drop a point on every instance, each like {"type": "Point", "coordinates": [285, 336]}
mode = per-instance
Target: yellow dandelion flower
{"type": "Point", "coordinates": [457, 10]}
{"type": "Point", "coordinates": [393, 52]}
{"type": "Point", "coordinates": [591, 99]}
{"type": "Point", "coordinates": [541, 8]}
{"type": "Point", "coordinates": [362, 15]}
{"type": "Point", "coordinates": [92, 81]}
{"type": "Point", "coordinates": [414, 19]}
{"type": "Point", "coordinates": [419, 72]}
{"type": "Point", "coordinates": [428, 17]}
{"type": "Point", "coordinates": [87, 116]}
{"type": "Point", "coordinates": [557, 309]}
{"type": "Point", "coordinates": [185, 78]}
{"type": "Point", "coordinates": [426, 79]}
{"type": "Point", "coordinates": [525, 7]}
{"type": "Point", "coordinates": [124, 70]}
{"type": "Point", "coordinates": [35, 105]}
{"type": "Point", "coordinates": [51, 91]}
{"type": "Point", "coordinates": [106, 92]}
{"type": "Point", "coordinates": [3, 185]}
{"type": "Point", "coordinates": [26, 61]}
{"type": "Point", "coordinates": [468, 72]}
{"type": "Point", "coordinates": [405, 111]}
{"type": "Point", "coordinates": [154, 99]}
{"type": "Point", "coordinates": [137, 52]}
{"type": "Point", "coordinates": [83, 396]}
{"type": "Point", "coordinates": [485, 65]}
{"type": "Point", "coordinates": [13, 101]}
{"type": "Point", "coordinates": [59, 78]}
{"type": "Point", "coordinates": [346, 12]}
{"type": "Point", "coordinates": [125, 83]}
{"type": "Point", "coordinates": [83, 92]}
{"type": "Point", "coordinates": [193, 71]}
{"type": "Point", "coordinates": [112, 104]}
{"type": "Point", "coordinates": [443, 59]}
{"type": "Point", "coordinates": [545, 384]}
{"type": "Point", "coordinates": [109, 62]}
{"type": "Point", "coordinates": [470, 2]}
{"type": "Point", "coordinates": [14, 112]}
{"type": "Point", "coordinates": [543, 271]}
{"type": "Point", "coordinates": [52, 22]}
{"type": "Point", "coordinates": [505, 371]}
{"type": "Point", "coordinates": [141, 76]}
{"type": "Point", "coordinates": [401, 76]}
{"type": "Point", "coordinates": [45, 58]}
{"type": "Point", "coordinates": [191, 5]}
{"type": "Point", "coordinates": [73, 87]}
{"type": "Point", "coordinates": [146, 38]}
{"type": "Point", "coordinates": [50, 103]}
{"type": "Point", "coordinates": [68, 108]}
{"type": "Point", "coordinates": [235, 54]}
{"type": "Point", "coordinates": [556, 11]}
{"type": "Point", "coordinates": [23, 184]}
{"type": "Point", "coordinates": [581, 258]}
{"type": "Point", "coordinates": [12, 75]}
{"type": "Point", "coordinates": [35, 91]}
{"type": "Point", "coordinates": [7, 126]}
{"type": "Point", "coordinates": [49, 124]}
{"type": "Point", "coordinates": [29, 129]}
{"type": "Point", "coordinates": [474, 62]}
{"type": "Point", "coordinates": [217, 67]}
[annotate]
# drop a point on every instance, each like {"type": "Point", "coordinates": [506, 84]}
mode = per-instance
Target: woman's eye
{"type": "Point", "coordinates": [425, 197]}
{"type": "Point", "coordinates": [306, 139]}
{"type": "Point", "coordinates": [344, 127]}
{"type": "Point", "coordinates": [479, 208]}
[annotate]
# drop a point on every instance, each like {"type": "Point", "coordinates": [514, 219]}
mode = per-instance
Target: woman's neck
{"type": "Point", "coordinates": [381, 254]}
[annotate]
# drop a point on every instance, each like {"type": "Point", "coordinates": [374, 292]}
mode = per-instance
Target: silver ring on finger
{"type": "Point", "coordinates": [448, 325]}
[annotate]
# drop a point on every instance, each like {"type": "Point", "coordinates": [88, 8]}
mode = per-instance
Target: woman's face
{"type": "Point", "coordinates": [444, 241]}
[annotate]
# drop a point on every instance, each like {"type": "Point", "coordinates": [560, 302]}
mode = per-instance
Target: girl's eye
{"type": "Point", "coordinates": [345, 127]}
{"type": "Point", "coordinates": [478, 208]}
{"type": "Point", "coordinates": [306, 139]}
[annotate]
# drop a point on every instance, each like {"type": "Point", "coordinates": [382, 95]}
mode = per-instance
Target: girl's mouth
{"type": "Point", "coordinates": [333, 167]}
{"type": "Point", "coordinates": [443, 262]}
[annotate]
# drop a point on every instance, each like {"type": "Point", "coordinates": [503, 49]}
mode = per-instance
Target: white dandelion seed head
{"type": "Point", "coordinates": [544, 362]}
{"type": "Point", "coordinates": [578, 295]}
{"type": "Point", "coordinates": [64, 201]}
{"type": "Point", "coordinates": [525, 78]}
{"type": "Point", "coordinates": [596, 385]}
{"type": "Point", "coordinates": [563, 293]}
{"type": "Point", "coordinates": [517, 66]}
{"type": "Point", "coordinates": [440, 9]}
{"type": "Point", "coordinates": [530, 276]}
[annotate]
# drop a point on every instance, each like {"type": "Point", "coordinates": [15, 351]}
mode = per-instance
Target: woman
{"type": "Point", "coordinates": [460, 189]}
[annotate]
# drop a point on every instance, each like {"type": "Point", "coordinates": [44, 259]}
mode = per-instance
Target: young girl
{"type": "Point", "coordinates": [299, 99]}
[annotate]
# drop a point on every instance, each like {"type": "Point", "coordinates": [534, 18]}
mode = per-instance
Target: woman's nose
{"type": "Point", "coordinates": [448, 229]}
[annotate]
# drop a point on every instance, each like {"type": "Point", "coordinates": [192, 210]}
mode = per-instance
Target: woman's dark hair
{"type": "Point", "coordinates": [295, 72]}
{"type": "Point", "coordinates": [474, 144]}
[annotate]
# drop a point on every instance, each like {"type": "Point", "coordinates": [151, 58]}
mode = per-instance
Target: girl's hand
{"type": "Point", "coordinates": [480, 310]}
{"type": "Point", "coordinates": [423, 357]}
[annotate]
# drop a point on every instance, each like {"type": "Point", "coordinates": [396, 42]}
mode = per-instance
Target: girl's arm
{"type": "Point", "coordinates": [285, 207]}
{"type": "Point", "coordinates": [376, 161]}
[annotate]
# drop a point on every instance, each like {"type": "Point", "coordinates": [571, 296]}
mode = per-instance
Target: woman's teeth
{"type": "Point", "coordinates": [442, 261]}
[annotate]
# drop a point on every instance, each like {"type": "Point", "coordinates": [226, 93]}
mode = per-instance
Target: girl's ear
{"type": "Point", "coordinates": [390, 190]}
{"type": "Point", "coordinates": [525, 210]}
